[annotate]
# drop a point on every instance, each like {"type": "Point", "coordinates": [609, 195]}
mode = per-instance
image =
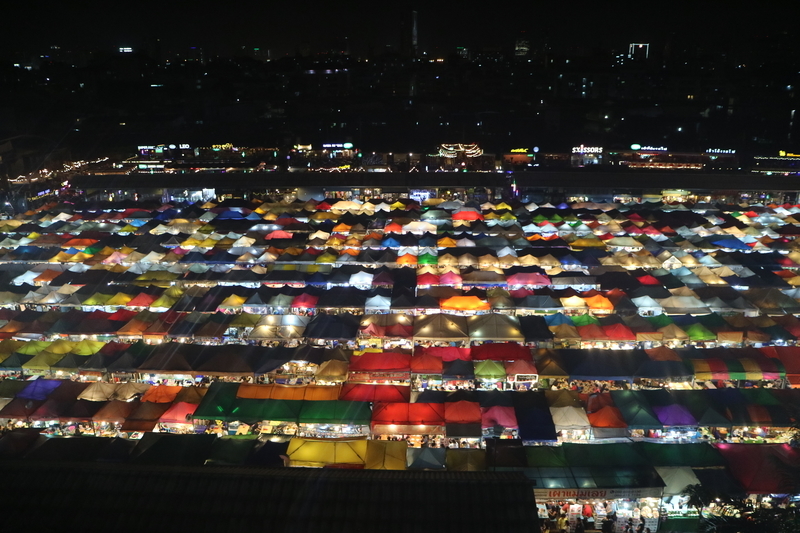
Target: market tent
{"type": "Point", "coordinates": [500, 351]}
{"type": "Point", "coordinates": [701, 408]}
{"type": "Point", "coordinates": [676, 478]}
{"type": "Point", "coordinates": [426, 363]}
{"type": "Point", "coordinates": [499, 415]}
{"type": "Point", "coordinates": [458, 370]}
{"type": "Point", "coordinates": [335, 412]}
{"type": "Point", "coordinates": [380, 362]}
{"type": "Point", "coordinates": [218, 401]}
{"type": "Point", "coordinates": [495, 327]}
{"type": "Point", "coordinates": [332, 370]}
{"type": "Point", "coordinates": [441, 327]}
{"type": "Point", "coordinates": [144, 417]}
{"type": "Point", "coordinates": [569, 418]}
{"type": "Point", "coordinates": [466, 460]}
{"type": "Point", "coordinates": [115, 411]}
{"type": "Point", "coordinates": [697, 455]}
{"type": "Point", "coordinates": [320, 452]}
{"type": "Point", "coordinates": [386, 455]}
{"type": "Point", "coordinates": [607, 417]}
{"type": "Point", "coordinates": [408, 418]}
{"type": "Point", "coordinates": [365, 392]}
{"type": "Point", "coordinates": [178, 413]}
{"type": "Point", "coordinates": [161, 393]}
{"type": "Point", "coordinates": [130, 390]}
{"type": "Point", "coordinates": [635, 409]}
{"type": "Point", "coordinates": [764, 468]}
{"type": "Point", "coordinates": [39, 389]}
{"type": "Point", "coordinates": [464, 303]}
{"type": "Point", "coordinates": [426, 458]}
{"type": "Point", "coordinates": [674, 415]}
{"type": "Point", "coordinates": [533, 417]}
{"type": "Point", "coordinates": [447, 353]}
{"type": "Point", "coordinates": [490, 370]}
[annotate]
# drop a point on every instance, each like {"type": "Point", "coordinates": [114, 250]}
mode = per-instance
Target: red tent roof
{"type": "Point", "coordinates": [426, 363]}
{"type": "Point", "coordinates": [763, 468]}
{"type": "Point", "coordinates": [462, 412]}
{"type": "Point", "coordinates": [305, 301]}
{"type": "Point", "coordinates": [592, 332]}
{"type": "Point", "coordinates": [381, 362]}
{"type": "Point", "coordinates": [501, 351]}
{"type": "Point", "coordinates": [448, 353]}
{"type": "Point", "coordinates": [365, 392]}
{"type": "Point", "coordinates": [619, 332]}
{"type": "Point", "coordinates": [411, 414]}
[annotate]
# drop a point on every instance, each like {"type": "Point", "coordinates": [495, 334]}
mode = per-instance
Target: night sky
{"type": "Point", "coordinates": [370, 26]}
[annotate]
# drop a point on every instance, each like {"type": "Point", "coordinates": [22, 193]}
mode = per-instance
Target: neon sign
{"type": "Point", "coordinates": [649, 148]}
{"type": "Point", "coordinates": [587, 149]}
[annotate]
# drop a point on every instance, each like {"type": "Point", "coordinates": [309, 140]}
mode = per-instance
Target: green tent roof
{"type": "Point", "coordinates": [659, 321]}
{"type": "Point", "coordinates": [218, 402]}
{"type": "Point", "coordinates": [698, 332]}
{"type": "Point", "coordinates": [694, 454]}
{"type": "Point", "coordinates": [635, 410]}
{"type": "Point", "coordinates": [584, 320]}
{"type": "Point", "coordinates": [490, 370]}
{"type": "Point", "coordinates": [335, 412]}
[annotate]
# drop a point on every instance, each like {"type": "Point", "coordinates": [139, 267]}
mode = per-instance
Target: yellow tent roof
{"type": "Point", "coordinates": [321, 452]}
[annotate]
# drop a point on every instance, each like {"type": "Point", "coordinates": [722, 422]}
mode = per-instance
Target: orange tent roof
{"type": "Point", "coordinates": [161, 393]}
{"type": "Point", "coordinates": [393, 227]}
{"type": "Point", "coordinates": [407, 259]}
{"type": "Point", "coordinates": [47, 276]}
{"type": "Point", "coordinates": [607, 417]}
{"type": "Point", "coordinates": [598, 301]}
{"type": "Point", "coordinates": [464, 303]}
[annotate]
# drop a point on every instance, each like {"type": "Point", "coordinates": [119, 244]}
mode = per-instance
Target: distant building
{"type": "Point", "coordinates": [639, 51]}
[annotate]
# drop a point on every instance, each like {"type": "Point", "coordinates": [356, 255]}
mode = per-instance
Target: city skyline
{"type": "Point", "coordinates": [364, 29]}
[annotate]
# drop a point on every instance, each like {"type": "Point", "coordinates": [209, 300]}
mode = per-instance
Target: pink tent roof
{"type": "Point", "coordinates": [498, 415]}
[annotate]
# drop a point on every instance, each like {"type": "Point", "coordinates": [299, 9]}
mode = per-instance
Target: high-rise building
{"type": "Point", "coordinates": [639, 51]}
{"type": "Point", "coordinates": [522, 47]}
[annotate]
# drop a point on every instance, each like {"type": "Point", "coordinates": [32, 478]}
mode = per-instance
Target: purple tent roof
{"type": "Point", "coordinates": [39, 389]}
{"type": "Point", "coordinates": [674, 415]}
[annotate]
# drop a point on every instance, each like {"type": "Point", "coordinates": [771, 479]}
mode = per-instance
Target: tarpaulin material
{"type": "Point", "coordinates": [316, 452]}
{"type": "Point", "coordinates": [364, 392]}
{"type": "Point", "coordinates": [764, 468]}
{"type": "Point", "coordinates": [501, 351]}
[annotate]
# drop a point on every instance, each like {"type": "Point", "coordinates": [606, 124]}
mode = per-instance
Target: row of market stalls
{"type": "Point", "coordinates": [396, 329]}
{"type": "Point", "coordinates": [639, 481]}
{"type": "Point", "coordinates": [442, 335]}
{"type": "Point", "coordinates": [502, 365]}
{"type": "Point", "coordinates": [287, 292]}
{"type": "Point", "coordinates": [431, 418]}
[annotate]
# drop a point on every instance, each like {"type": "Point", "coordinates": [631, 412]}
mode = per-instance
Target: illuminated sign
{"type": "Point", "coordinates": [587, 149]}
{"type": "Point", "coordinates": [783, 153]}
{"type": "Point", "coordinates": [420, 195]}
{"type": "Point", "coordinates": [519, 150]}
{"type": "Point", "coordinates": [185, 147]}
{"type": "Point", "coordinates": [172, 146]}
{"type": "Point", "coordinates": [720, 151]}
{"type": "Point", "coordinates": [147, 147]}
{"type": "Point", "coordinates": [346, 146]}
{"type": "Point", "coordinates": [649, 148]}
{"type": "Point", "coordinates": [226, 146]}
